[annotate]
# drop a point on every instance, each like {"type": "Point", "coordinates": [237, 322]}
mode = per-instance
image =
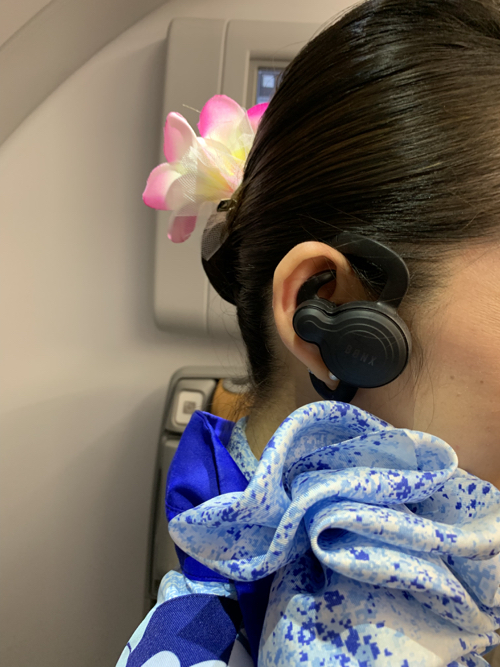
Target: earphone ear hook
{"type": "Point", "coordinates": [343, 393]}
{"type": "Point", "coordinates": [393, 266]}
{"type": "Point", "coordinates": [309, 289]}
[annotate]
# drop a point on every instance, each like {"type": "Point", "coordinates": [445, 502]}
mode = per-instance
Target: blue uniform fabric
{"type": "Point", "coordinates": [201, 617]}
{"type": "Point", "coordinates": [381, 551]}
{"type": "Point", "coordinates": [205, 443]}
{"type": "Point", "coordinates": [202, 468]}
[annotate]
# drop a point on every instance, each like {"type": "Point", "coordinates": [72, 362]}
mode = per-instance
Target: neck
{"type": "Point", "coordinates": [263, 421]}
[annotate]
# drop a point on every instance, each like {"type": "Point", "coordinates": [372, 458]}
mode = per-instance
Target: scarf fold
{"type": "Point", "coordinates": [383, 551]}
{"type": "Point", "coordinates": [201, 469]}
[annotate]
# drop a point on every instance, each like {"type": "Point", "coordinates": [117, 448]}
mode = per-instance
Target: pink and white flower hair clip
{"type": "Point", "coordinates": [201, 171]}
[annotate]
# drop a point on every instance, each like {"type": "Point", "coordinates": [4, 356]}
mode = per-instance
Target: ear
{"type": "Point", "coordinates": [303, 261]}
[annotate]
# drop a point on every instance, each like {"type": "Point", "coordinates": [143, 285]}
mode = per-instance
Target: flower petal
{"type": "Point", "coordinates": [219, 172]}
{"type": "Point", "coordinates": [178, 195]}
{"type": "Point", "coordinates": [178, 137]}
{"type": "Point", "coordinates": [181, 227]}
{"type": "Point", "coordinates": [219, 117]}
{"type": "Point", "coordinates": [255, 114]}
{"type": "Point", "coordinates": [158, 185]}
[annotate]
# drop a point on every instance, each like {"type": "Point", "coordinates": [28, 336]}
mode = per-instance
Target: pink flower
{"type": "Point", "coordinates": [201, 169]}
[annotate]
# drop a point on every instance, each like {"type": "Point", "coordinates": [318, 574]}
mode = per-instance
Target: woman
{"type": "Point", "coordinates": [343, 532]}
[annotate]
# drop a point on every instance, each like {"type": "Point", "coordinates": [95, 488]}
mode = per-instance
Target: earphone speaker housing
{"type": "Point", "coordinates": [363, 343]}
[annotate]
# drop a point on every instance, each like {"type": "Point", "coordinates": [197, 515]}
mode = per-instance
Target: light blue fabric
{"type": "Point", "coordinates": [240, 450]}
{"type": "Point", "coordinates": [385, 552]}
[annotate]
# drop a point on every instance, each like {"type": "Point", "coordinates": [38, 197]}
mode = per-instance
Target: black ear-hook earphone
{"type": "Point", "coordinates": [363, 343]}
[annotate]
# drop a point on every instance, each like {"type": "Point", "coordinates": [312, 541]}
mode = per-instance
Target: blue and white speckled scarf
{"type": "Point", "coordinates": [383, 551]}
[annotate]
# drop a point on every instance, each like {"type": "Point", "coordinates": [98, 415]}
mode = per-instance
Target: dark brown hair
{"type": "Point", "coordinates": [387, 124]}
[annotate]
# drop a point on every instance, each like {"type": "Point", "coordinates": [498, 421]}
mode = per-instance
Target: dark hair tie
{"type": "Point", "coordinates": [217, 255]}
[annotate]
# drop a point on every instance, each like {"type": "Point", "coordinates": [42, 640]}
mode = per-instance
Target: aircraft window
{"type": "Point", "coordinates": [267, 82]}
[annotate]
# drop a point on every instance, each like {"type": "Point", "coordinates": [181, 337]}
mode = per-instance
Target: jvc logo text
{"type": "Point", "coordinates": [356, 353]}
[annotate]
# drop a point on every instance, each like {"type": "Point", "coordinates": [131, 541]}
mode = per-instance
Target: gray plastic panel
{"type": "Point", "coordinates": [164, 556]}
{"type": "Point", "coordinates": [192, 75]}
{"type": "Point", "coordinates": [190, 394]}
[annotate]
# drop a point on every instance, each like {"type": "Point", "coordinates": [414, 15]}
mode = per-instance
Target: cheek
{"type": "Point", "coordinates": [462, 340]}
{"type": "Point", "coordinates": [464, 352]}
{"type": "Point", "coordinates": [460, 386]}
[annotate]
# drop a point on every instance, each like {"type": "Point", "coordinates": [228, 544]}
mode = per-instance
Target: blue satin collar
{"type": "Point", "coordinates": [203, 469]}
